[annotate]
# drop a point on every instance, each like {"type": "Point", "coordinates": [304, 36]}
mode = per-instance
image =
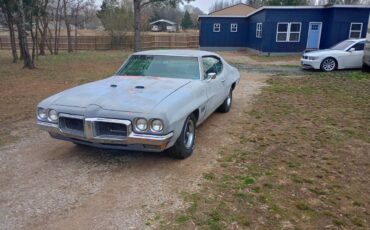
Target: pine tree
{"type": "Point", "coordinates": [186, 22]}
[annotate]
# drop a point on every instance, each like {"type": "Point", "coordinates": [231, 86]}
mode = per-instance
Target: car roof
{"type": "Point", "coordinates": [177, 52]}
{"type": "Point", "coordinates": [356, 39]}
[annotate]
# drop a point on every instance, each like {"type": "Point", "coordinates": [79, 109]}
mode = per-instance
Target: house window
{"type": "Point", "coordinates": [288, 32]}
{"type": "Point", "coordinates": [355, 30]}
{"type": "Point", "coordinates": [259, 30]}
{"type": "Point", "coordinates": [216, 27]}
{"type": "Point", "coordinates": [234, 27]}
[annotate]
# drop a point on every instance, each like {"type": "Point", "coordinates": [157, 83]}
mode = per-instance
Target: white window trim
{"type": "Point", "coordinates": [214, 27]}
{"type": "Point", "coordinates": [288, 31]}
{"type": "Point", "coordinates": [259, 30]}
{"type": "Point", "coordinates": [233, 27]}
{"type": "Point", "coordinates": [350, 29]}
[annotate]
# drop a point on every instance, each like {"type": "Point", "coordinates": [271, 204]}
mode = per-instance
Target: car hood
{"type": "Point", "coordinates": [325, 52]}
{"type": "Point", "coordinates": [122, 93]}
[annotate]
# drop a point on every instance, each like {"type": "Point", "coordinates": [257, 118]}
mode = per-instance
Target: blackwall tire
{"type": "Point", "coordinates": [184, 145]}
{"type": "Point", "coordinates": [226, 105]}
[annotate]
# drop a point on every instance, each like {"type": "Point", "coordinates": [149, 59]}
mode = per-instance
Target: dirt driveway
{"type": "Point", "coordinates": [50, 184]}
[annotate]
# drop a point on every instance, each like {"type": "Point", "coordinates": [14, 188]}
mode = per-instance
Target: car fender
{"type": "Point", "coordinates": [181, 104]}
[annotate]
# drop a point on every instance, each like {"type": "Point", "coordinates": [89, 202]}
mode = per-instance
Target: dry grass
{"type": "Point", "coordinates": [22, 89]}
{"type": "Point", "coordinates": [302, 161]}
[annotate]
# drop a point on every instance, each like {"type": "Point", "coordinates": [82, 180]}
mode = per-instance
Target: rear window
{"type": "Point", "coordinates": [161, 66]}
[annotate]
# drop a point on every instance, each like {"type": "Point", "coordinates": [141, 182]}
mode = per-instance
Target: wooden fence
{"type": "Point", "coordinates": [148, 41]}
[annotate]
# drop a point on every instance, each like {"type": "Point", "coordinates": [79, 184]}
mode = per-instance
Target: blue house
{"type": "Point", "coordinates": [284, 29]}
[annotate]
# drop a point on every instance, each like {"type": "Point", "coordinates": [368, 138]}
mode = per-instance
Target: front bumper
{"type": "Point", "coordinates": [133, 141]}
{"type": "Point", "coordinates": [310, 64]}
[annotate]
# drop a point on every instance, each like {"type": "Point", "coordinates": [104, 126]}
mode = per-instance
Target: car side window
{"type": "Point", "coordinates": [359, 46]}
{"type": "Point", "coordinates": [212, 65]}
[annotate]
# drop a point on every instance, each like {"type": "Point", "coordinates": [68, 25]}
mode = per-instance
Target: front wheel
{"type": "Point", "coordinates": [328, 64]}
{"type": "Point", "coordinates": [184, 145]}
{"type": "Point", "coordinates": [226, 105]}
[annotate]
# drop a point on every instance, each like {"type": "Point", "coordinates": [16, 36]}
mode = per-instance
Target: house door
{"type": "Point", "coordinates": [314, 35]}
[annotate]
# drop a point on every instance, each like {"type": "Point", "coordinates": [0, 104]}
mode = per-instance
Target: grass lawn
{"type": "Point", "coordinates": [22, 89]}
{"type": "Point", "coordinates": [302, 162]}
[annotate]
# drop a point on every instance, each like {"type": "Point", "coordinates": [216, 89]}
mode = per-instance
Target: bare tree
{"type": "Point", "coordinates": [57, 20]}
{"type": "Point", "coordinates": [43, 26]}
{"type": "Point", "coordinates": [67, 21]}
{"type": "Point", "coordinates": [76, 9]}
{"type": "Point", "coordinates": [8, 9]}
{"type": "Point", "coordinates": [27, 60]}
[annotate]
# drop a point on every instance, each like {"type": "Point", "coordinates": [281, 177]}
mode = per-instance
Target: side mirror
{"type": "Point", "coordinates": [351, 50]}
{"type": "Point", "coordinates": [211, 75]}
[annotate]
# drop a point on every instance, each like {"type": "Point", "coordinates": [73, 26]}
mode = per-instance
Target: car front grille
{"type": "Point", "coordinates": [72, 125]}
{"type": "Point", "coordinates": [109, 129]}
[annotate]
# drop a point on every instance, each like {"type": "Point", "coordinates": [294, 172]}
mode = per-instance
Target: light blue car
{"type": "Point", "coordinates": [154, 102]}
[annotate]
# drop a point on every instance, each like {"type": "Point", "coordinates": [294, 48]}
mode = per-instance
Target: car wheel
{"type": "Point", "coordinates": [328, 64]}
{"type": "Point", "coordinates": [365, 68]}
{"type": "Point", "coordinates": [226, 105]}
{"type": "Point", "coordinates": [184, 145]}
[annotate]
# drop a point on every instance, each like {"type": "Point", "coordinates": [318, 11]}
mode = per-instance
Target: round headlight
{"type": "Point", "coordinates": [53, 115]}
{"type": "Point", "coordinates": [141, 124]}
{"type": "Point", "coordinates": [157, 125]}
{"type": "Point", "coordinates": [41, 113]}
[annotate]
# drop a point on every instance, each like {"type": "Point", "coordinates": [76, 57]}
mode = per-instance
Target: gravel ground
{"type": "Point", "coordinates": [50, 184]}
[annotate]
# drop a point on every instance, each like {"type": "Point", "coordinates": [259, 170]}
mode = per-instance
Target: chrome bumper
{"type": "Point", "coordinates": [158, 141]}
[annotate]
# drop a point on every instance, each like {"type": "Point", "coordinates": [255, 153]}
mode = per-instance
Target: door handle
{"type": "Point", "coordinates": [223, 80]}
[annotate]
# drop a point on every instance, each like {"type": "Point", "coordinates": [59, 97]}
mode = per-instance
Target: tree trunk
{"type": "Point", "coordinates": [68, 26]}
{"type": "Point", "coordinates": [44, 30]}
{"type": "Point", "coordinates": [27, 60]}
{"type": "Point", "coordinates": [48, 41]}
{"type": "Point", "coordinates": [56, 23]}
{"type": "Point", "coordinates": [137, 26]}
{"type": "Point", "coordinates": [10, 22]}
{"type": "Point", "coordinates": [76, 25]}
{"type": "Point", "coordinates": [43, 35]}
{"type": "Point", "coordinates": [34, 41]}
{"type": "Point", "coordinates": [19, 40]}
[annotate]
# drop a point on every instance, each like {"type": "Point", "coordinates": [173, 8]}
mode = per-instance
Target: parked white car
{"type": "Point", "coordinates": [344, 55]}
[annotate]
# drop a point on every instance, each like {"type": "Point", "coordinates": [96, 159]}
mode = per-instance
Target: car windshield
{"type": "Point", "coordinates": [161, 66]}
{"type": "Point", "coordinates": [342, 45]}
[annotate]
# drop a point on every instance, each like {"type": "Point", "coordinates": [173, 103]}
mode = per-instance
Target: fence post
{"type": "Point", "coordinates": [95, 42]}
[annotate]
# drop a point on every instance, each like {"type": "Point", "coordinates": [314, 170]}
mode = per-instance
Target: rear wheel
{"type": "Point", "coordinates": [226, 105]}
{"type": "Point", "coordinates": [328, 64]}
{"type": "Point", "coordinates": [184, 145]}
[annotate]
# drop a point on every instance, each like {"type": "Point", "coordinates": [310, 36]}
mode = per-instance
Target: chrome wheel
{"type": "Point", "coordinates": [228, 100]}
{"type": "Point", "coordinates": [328, 64]}
{"type": "Point", "coordinates": [189, 133]}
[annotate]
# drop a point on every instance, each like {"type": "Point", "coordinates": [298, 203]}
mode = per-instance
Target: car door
{"type": "Point", "coordinates": [355, 54]}
{"type": "Point", "coordinates": [215, 86]}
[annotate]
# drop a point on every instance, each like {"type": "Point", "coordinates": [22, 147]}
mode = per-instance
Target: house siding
{"type": "Point", "coordinates": [335, 28]}
{"type": "Point", "coordinates": [224, 38]}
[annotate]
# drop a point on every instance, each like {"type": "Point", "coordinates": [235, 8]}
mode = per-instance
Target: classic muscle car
{"type": "Point", "coordinates": [154, 102]}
